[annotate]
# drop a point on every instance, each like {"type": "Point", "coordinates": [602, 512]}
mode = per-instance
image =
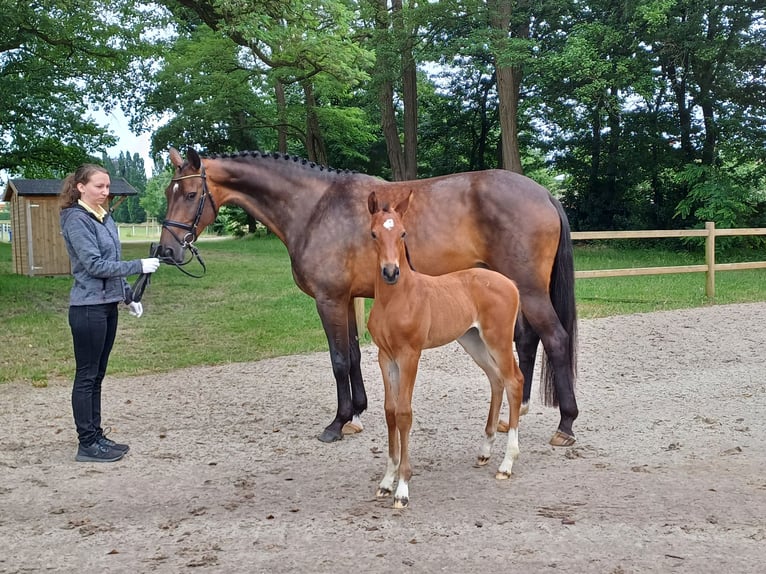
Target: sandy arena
{"type": "Point", "coordinates": [225, 473]}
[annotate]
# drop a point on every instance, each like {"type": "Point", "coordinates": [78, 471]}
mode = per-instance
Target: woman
{"type": "Point", "coordinates": [99, 286]}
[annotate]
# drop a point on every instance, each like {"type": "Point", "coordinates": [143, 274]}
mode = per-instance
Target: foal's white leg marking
{"type": "Point", "coordinates": [511, 454]}
{"type": "Point", "coordinates": [524, 408]}
{"type": "Point", "coordinates": [486, 450]}
{"type": "Point", "coordinates": [402, 496]}
{"type": "Point", "coordinates": [386, 486]}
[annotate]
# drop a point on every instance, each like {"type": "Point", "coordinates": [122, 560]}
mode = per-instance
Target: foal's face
{"type": "Point", "coordinates": [388, 233]}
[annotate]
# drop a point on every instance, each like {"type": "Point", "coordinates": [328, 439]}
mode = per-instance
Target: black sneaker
{"type": "Point", "coordinates": [103, 441]}
{"type": "Point", "coordinates": [98, 452]}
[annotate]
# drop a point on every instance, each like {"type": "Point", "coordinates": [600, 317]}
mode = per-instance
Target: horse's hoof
{"type": "Point", "coordinates": [330, 435]}
{"type": "Point", "coordinates": [401, 502]}
{"type": "Point", "coordinates": [353, 427]}
{"type": "Point", "coordinates": [383, 493]}
{"type": "Point", "coordinates": [482, 460]}
{"type": "Point", "coordinates": [503, 426]}
{"type": "Point", "coordinates": [562, 439]}
{"type": "Point", "coordinates": [502, 475]}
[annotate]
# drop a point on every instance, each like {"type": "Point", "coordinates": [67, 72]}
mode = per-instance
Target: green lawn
{"type": "Point", "coordinates": [247, 308]}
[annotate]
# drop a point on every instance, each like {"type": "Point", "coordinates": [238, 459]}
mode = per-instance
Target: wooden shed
{"type": "Point", "coordinates": [36, 242]}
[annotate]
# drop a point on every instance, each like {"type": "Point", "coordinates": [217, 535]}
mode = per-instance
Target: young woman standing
{"type": "Point", "coordinates": [99, 286]}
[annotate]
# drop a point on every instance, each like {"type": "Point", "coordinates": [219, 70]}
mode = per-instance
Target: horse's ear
{"type": "Point", "coordinates": [402, 207]}
{"type": "Point", "coordinates": [175, 158]}
{"type": "Point", "coordinates": [372, 203]}
{"type": "Point", "coordinates": [193, 158]}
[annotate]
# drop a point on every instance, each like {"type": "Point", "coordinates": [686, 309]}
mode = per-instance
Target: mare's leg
{"type": "Point", "coordinates": [390, 371]}
{"type": "Point", "coordinates": [334, 316]}
{"type": "Point", "coordinates": [527, 341]}
{"type": "Point", "coordinates": [358, 393]}
{"type": "Point", "coordinates": [408, 370]}
{"type": "Point", "coordinates": [558, 385]}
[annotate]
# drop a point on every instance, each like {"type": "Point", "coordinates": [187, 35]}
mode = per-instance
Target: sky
{"type": "Point", "coordinates": [128, 141]}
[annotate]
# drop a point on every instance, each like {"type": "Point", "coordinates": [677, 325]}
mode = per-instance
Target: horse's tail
{"type": "Point", "coordinates": [562, 292]}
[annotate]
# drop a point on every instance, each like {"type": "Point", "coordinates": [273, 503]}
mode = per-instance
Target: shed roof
{"type": "Point", "coordinates": [41, 187]}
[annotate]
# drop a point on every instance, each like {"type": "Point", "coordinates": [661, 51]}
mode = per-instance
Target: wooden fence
{"type": "Point", "coordinates": [709, 267]}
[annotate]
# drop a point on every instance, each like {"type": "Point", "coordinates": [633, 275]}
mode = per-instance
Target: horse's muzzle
{"type": "Point", "coordinates": [169, 253]}
{"type": "Point", "coordinates": [390, 273]}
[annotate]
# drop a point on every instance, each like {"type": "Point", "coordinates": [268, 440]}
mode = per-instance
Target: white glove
{"type": "Point", "coordinates": [135, 309]}
{"type": "Point", "coordinates": [150, 265]}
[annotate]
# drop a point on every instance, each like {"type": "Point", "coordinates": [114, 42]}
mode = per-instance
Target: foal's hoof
{"type": "Point", "coordinates": [482, 460]}
{"type": "Point", "coordinates": [401, 502]}
{"type": "Point", "coordinates": [500, 475]}
{"type": "Point", "coordinates": [383, 493]}
{"type": "Point", "coordinates": [562, 439]}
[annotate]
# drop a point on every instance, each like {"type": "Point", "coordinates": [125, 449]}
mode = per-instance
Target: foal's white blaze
{"type": "Point", "coordinates": [388, 224]}
{"type": "Point", "coordinates": [511, 454]}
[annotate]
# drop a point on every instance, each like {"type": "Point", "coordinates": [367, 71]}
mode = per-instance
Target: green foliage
{"type": "Point", "coordinates": [59, 62]}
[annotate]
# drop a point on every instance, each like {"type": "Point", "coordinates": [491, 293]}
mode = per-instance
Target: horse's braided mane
{"type": "Point", "coordinates": [273, 155]}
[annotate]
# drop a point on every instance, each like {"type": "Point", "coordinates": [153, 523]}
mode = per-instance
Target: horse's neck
{"type": "Point", "coordinates": [278, 193]}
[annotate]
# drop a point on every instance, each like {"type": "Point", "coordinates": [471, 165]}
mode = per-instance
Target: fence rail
{"type": "Point", "coordinates": [709, 267]}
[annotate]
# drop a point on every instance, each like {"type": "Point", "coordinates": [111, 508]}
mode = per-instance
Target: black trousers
{"type": "Point", "coordinates": [93, 331]}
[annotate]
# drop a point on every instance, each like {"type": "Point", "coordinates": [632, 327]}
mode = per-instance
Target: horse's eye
{"type": "Point", "coordinates": [404, 234]}
{"type": "Point", "coordinates": [190, 196]}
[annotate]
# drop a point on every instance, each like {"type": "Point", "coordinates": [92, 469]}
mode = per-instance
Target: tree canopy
{"type": "Point", "coordinates": [647, 113]}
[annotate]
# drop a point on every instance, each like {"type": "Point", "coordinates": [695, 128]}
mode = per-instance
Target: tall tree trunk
{"type": "Point", "coordinates": [409, 89]}
{"type": "Point", "coordinates": [279, 93]}
{"type": "Point", "coordinates": [508, 84]}
{"type": "Point", "coordinates": [383, 68]}
{"type": "Point", "coordinates": [315, 146]}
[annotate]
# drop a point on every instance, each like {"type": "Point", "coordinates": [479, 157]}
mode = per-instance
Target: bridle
{"type": "Point", "coordinates": [190, 235]}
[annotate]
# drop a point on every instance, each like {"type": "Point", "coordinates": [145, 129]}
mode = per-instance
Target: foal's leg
{"type": "Point", "coordinates": [472, 342]}
{"type": "Point", "coordinates": [390, 372]}
{"type": "Point", "coordinates": [408, 367]}
{"type": "Point", "coordinates": [514, 385]}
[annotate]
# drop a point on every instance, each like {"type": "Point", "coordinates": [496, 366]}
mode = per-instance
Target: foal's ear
{"type": "Point", "coordinates": [372, 203]}
{"type": "Point", "coordinates": [175, 157]}
{"type": "Point", "coordinates": [193, 157]}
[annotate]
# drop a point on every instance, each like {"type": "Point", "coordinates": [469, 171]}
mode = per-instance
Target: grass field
{"type": "Point", "coordinates": [247, 307]}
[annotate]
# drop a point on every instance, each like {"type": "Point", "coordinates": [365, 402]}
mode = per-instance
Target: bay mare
{"type": "Point", "coordinates": [411, 312]}
{"type": "Point", "coordinates": [495, 219]}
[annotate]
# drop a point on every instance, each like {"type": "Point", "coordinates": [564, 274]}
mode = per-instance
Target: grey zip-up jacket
{"type": "Point", "coordinates": [95, 252]}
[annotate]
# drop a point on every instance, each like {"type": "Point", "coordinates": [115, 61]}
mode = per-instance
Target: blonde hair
{"type": "Point", "coordinates": [69, 192]}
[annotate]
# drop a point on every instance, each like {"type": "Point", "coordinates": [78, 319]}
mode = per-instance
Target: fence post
{"type": "Point", "coordinates": [710, 259]}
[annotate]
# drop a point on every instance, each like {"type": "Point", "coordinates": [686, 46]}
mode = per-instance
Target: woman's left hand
{"type": "Point", "coordinates": [135, 309]}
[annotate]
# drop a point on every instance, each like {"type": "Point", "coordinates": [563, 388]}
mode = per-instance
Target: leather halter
{"type": "Point", "coordinates": [191, 229]}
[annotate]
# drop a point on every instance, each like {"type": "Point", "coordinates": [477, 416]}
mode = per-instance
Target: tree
{"type": "Point", "coordinates": [56, 65]}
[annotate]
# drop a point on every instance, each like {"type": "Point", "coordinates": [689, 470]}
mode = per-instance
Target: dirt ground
{"type": "Point", "coordinates": [225, 473]}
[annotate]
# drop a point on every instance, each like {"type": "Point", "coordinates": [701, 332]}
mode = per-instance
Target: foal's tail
{"type": "Point", "coordinates": [562, 291]}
